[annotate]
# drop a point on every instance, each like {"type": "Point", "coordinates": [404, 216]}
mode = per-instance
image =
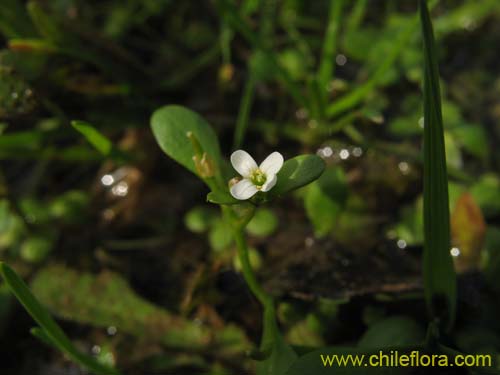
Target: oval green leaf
{"type": "Point", "coordinates": [170, 126]}
{"type": "Point", "coordinates": [297, 172]}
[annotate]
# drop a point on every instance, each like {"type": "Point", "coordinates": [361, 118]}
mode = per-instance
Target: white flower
{"type": "Point", "coordinates": [255, 178]}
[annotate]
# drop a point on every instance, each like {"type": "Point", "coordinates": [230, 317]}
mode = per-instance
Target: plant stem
{"type": "Point", "coordinates": [242, 248]}
{"type": "Point", "coordinates": [264, 298]}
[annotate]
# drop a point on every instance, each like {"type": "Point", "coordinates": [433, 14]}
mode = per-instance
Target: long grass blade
{"type": "Point", "coordinates": [438, 272]}
{"type": "Point", "coordinates": [327, 66]}
{"type": "Point", "coordinates": [50, 331]}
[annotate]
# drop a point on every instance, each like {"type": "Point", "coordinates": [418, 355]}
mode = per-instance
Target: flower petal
{"type": "Point", "coordinates": [243, 189]}
{"type": "Point", "coordinates": [243, 162]}
{"type": "Point", "coordinates": [272, 164]}
{"type": "Point", "coordinates": [270, 182]}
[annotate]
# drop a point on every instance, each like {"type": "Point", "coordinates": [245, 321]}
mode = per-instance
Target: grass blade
{"type": "Point", "coordinates": [327, 66]}
{"type": "Point", "coordinates": [439, 275]}
{"type": "Point", "coordinates": [52, 333]}
{"type": "Point", "coordinates": [238, 23]}
{"type": "Point", "coordinates": [94, 136]}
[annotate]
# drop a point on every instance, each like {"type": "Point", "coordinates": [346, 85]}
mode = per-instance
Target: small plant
{"type": "Point", "coordinates": [187, 138]}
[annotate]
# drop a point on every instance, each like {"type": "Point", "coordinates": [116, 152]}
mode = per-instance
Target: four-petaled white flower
{"type": "Point", "coordinates": [255, 178]}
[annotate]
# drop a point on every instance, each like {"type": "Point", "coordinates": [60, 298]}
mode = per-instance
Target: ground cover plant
{"type": "Point", "coordinates": [227, 187]}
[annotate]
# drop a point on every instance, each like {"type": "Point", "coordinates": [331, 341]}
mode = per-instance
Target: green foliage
{"type": "Point", "coordinates": [297, 172]}
{"type": "Point", "coordinates": [486, 192]}
{"type": "Point", "coordinates": [123, 309]}
{"type": "Point", "coordinates": [95, 138]}
{"type": "Point", "coordinates": [263, 223]}
{"type": "Point", "coordinates": [220, 236]}
{"type": "Point", "coordinates": [325, 199]}
{"type": "Point", "coordinates": [392, 331]}
{"type": "Point", "coordinates": [254, 258]}
{"type": "Point", "coordinates": [36, 248]}
{"type": "Point", "coordinates": [439, 275]}
{"type": "Point", "coordinates": [410, 228]}
{"type": "Point", "coordinates": [52, 333]}
{"type": "Point", "coordinates": [221, 197]}
{"type": "Point", "coordinates": [170, 126]}
{"type": "Point", "coordinates": [199, 219]}
{"type": "Point", "coordinates": [280, 355]}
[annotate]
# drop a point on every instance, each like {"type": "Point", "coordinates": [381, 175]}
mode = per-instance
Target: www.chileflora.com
{"type": "Point", "coordinates": [394, 358]}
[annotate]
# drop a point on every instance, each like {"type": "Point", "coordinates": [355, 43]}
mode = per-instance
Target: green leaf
{"type": "Point", "coordinates": [170, 126]}
{"type": "Point", "coordinates": [36, 248]}
{"type": "Point", "coordinates": [396, 330]}
{"type": "Point", "coordinates": [221, 197]}
{"type": "Point", "coordinates": [474, 140]}
{"type": "Point", "coordinates": [439, 275]}
{"type": "Point", "coordinates": [280, 354]}
{"type": "Point", "coordinates": [199, 219]}
{"type": "Point", "coordinates": [297, 172]}
{"type": "Point", "coordinates": [14, 21]}
{"type": "Point", "coordinates": [220, 235]}
{"type": "Point", "coordinates": [95, 138]}
{"type": "Point", "coordinates": [263, 223]}
{"type": "Point", "coordinates": [106, 299]}
{"type": "Point", "coordinates": [40, 334]}
{"type": "Point", "coordinates": [486, 192]}
{"type": "Point", "coordinates": [45, 24]}
{"type": "Point", "coordinates": [325, 199]}
{"type": "Point", "coordinates": [50, 328]}
{"type": "Point", "coordinates": [411, 227]}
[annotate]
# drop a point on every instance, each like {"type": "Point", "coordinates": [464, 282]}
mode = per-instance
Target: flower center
{"type": "Point", "coordinates": [258, 178]}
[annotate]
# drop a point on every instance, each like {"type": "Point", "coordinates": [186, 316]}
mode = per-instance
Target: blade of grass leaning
{"type": "Point", "coordinates": [439, 275]}
{"type": "Point", "coordinates": [238, 23]}
{"type": "Point", "coordinates": [361, 92]}
{"type": "Point", "coordinates": [356, 16]}
{"type": "Point", "coordinates": [100, 142]}
{"type": "Point", "coordinates": [94, 136]}
{"type": "Point", "coordinates": [356, 96]}
{"type": "Point", "coordinates": [52, 333]}
{"type": "Point", "coordinates": [327, 65]}
{"type": "Point", "coordinates": [266, 36]}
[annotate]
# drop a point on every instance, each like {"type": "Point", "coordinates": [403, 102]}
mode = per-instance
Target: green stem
{"type": "Point", "coordinates": [241, 244]}
{"type": "Point", "coordinates": [238, 227]}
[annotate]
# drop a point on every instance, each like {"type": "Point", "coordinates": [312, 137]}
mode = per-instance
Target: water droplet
{"type": "Point", "coordinates": [341, 60]}
{"type": "Point", "coordinates": [107, 180]}
{"type": "Point", "coordinates": [344, 154]}
{"type": "Point", "coordinates": [301, 114]}
{"type": "Point", "coordinates": [120, 189]}
{"type": "Point", "coordinates": [96, 349]}
{"type": "Point", "coordinates": [455, 251]}
{"type": "Point", "coordinates": [357, 152]}
{"type": "Point", "coordinates": [325, 152]}
{"type": "Point", "coordinates": [404, 167]}
{"type": "Point", "coordinates": [309, 241]}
